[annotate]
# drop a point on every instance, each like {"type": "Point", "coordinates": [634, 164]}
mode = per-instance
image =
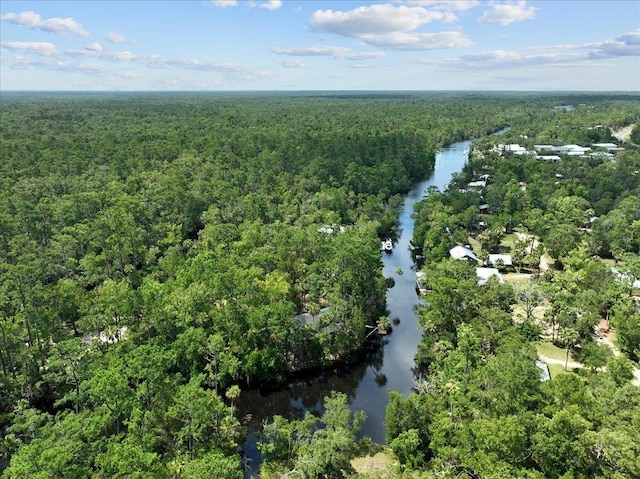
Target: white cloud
{"type": "Point", "coordinates": [117, 38]}
{"type": "Point", "coordinates": [316, 50]}
{"type": "Point", "coordinates": [418, 41]}
{"type": "Point", "coordinates": [94, 47]}
{"type": "Point", "coordinates": [372, 20]}
{"type": "Point", "coordinates": [224, 3]}
{"type": "Point", "coordinates": [158, 61]}
{"type": "Point", "coordinates": [95, 50]}
{"type": "Point", "coordinates": [340, 53]}
{"type": "Point", "coordinates": [271, 4]}
{"type": "Point", "coordinates": [627, 44]}
{"type": "Point", "coordinates": [41, 48]}
{"type": "Point", "coordinates": [506, 13]}
{"type": "Point", "coordinates": [119, 56]}
{"type": "Point", "coordinates": [389, 26]}
{"type": "Point", "coordinates": [266, 4]}
{"type": "Point", "coordinates": [291, 63]}
{"type": "Point", "coordinates": [23, 63]}
{"type": "Point", "coordinates": [55, 25]}
{"type": "Point", "coordinates": [364, 55]}
{"type": "Point", "coordinates": [501, 59]}
{"type": "Point", "coordinates": [447, 5]}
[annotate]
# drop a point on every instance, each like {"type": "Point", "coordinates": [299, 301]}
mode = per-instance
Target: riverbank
{"type": "Point", "coordinates": [389, 367]}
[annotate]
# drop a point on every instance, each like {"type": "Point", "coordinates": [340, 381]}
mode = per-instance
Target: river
{"type": "Point", "coordinates": [368, 384]}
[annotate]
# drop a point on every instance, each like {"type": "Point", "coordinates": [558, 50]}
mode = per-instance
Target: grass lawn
{"type": "Point", "coordinates": [382, 463]}
{"type": "Point", "coordinates": [555, 369]}
{"type": "Point", "coordinates": [549, 350]}
{"type": "Point", "coordinates": [508, 242]}
{"type": "Point", "coordinates": [475, 245]}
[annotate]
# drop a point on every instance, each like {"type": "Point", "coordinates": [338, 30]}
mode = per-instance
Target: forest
{"type": "Point", "coordinates": [156, 251]}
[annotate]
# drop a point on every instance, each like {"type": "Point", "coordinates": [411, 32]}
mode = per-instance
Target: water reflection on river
{"type": "Point", "coordinates": [391, 368]}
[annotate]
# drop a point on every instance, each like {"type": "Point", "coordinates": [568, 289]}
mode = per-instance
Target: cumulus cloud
{"type": "Point", "coordinates": [41, 48]}
{"type": "Point", "coordinates": [557, 56]}
{"type": "Point", "coordinates": [371, 20]}
{"type": "Point", "coordinates": [224, 3]}
{"type": "Point", "coordinates": [506, 13]}
{"type": "Point", "coordinates": [30, 19]}
{"type": "Point", "coordinates": [94, 47]}
{"type": "Point", "coordinates": [389, 26]}
{"type": "Point", "coordinates": [270, 4]}
{"type": "Point", "coordinates": [340, 53]}
{"type": "Point", "coordinates": [117, 38]}
{"type": "Point", "coordinates": [291, 63]}
{"type": "Point", "coordinates": [625, 45]}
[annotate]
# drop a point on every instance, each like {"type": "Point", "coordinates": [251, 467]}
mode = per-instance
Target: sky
{"type": "Point", "coordinates": [222, 45]}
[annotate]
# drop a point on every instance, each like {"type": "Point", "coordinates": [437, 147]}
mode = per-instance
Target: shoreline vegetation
{"type": "Point", "coordinates": [188, 231]}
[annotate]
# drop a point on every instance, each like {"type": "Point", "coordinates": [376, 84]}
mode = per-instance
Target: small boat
{"type": "Point", "coordinates": [388, 246]}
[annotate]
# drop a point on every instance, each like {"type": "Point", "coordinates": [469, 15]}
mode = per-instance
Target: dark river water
{"type": "Point", "coordinates": [367, 385]}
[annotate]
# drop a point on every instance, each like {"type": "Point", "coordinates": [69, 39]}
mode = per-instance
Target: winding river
{"type": "Point", "coordinates": [368, 384]}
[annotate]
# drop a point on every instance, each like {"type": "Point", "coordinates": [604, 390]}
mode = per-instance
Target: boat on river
{"type": "Point", "coordinates": [387, 246]}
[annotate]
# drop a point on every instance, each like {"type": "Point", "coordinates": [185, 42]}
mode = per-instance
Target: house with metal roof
{"type": "Point", "coordinates": [464, 254]}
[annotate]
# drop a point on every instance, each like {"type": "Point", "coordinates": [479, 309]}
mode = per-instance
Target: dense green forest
{"type": "Point", "coordinates": [155, 250]}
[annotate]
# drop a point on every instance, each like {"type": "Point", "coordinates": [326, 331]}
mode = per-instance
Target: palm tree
{"type": "Point", "coordinates": [570, 337]}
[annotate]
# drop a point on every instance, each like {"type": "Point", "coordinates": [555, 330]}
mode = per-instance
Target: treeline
{"type": "Point", "coordinates": [480, 407]}
{"type": "Point", "coordinates": [155, 250]}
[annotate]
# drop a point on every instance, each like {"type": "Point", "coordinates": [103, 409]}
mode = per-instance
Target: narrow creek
{"type": "Point", "coordinates": [368, 384]}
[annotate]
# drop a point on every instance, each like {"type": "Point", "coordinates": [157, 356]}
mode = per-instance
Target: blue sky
{"type": "Point", "coordinates": [320, 45]}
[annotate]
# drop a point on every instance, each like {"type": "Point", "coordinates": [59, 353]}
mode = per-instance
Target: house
{"type": "Point", "coordinates": [603, 155]}
{"type": "Point", "coordinates": [484, 274]}
{"type": "Point", "coordinates": [477, 184]}
{"type": "Point", "coordinates": [551, 158]}
{"type": "Point", "coordinates": [543, 147]}
{"type": "Point", "coordinates": [483, 209]}
{"type": "Point", "coordinates": [464, 254]}
{"type": "Point", "coordinates": [515, 149]}
{"type": "Point", "coordinates": [571, 150]}
{"type": "Point", "coordinates": [505, 258]}
{"type": "Point", "coordinates": [606, 146]}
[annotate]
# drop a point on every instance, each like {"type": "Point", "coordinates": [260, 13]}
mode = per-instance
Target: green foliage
{"type": "Point", "coordinates": [314, 448]}
{"type": "Point", "coordinates": [626, 320]}
{"type": "Point", "coordinates": [406, 446]}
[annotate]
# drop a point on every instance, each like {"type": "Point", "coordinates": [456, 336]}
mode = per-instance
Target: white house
{"type": "Point", "coordinates": [464, 254]}
{"type": "Point", "coordinates": [485, 273]}
{"type": "Point", "coordinates": [571, 149]}
{"type": "Point", "coordinates": [506, 259]}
